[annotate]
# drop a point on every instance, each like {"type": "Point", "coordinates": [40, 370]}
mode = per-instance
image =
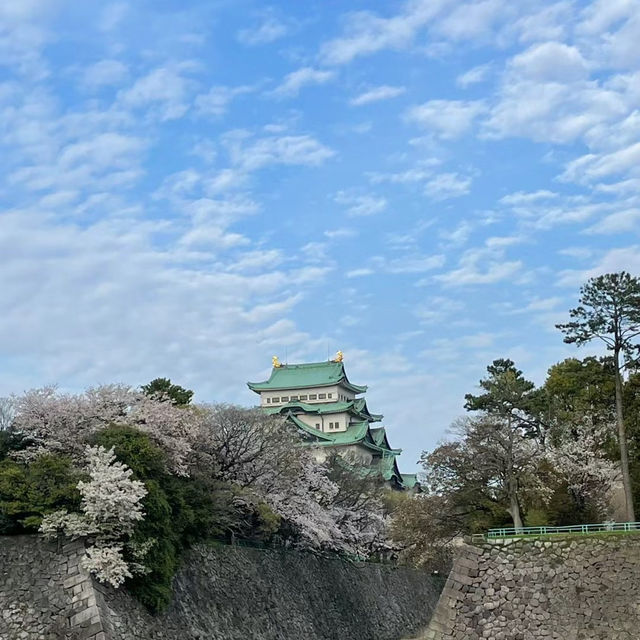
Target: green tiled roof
{"type": "Point", "coordinates": [379, 436]}
{"type": "Point", "coordinates": [359, 433]}
{"type": "Point", "coordinates": [356, 433]}
{"type": "Point", "coordinates": [303, 376]}
{"type": "Point", "coordinates": [357, 407]}
{"type": "Point", "coordinates": [388, 468]}
{"type": "Point", "coordinates": [409, 480]}
{"type": "Point", "coordinates": [320, 407]}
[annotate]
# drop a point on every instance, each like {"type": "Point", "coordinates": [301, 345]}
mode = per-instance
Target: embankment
{"type": "Point", "coordinates": [580, 588]}
{"type": "Point", "coordinates": [221, 593]}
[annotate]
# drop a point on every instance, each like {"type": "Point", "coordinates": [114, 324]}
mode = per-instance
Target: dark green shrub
{"type": "Point", "coordinates": [10, 441]}
{"type": "Point", "coordinates": [178, 512]}
{"type": "Point", "coordinates": [29, 491]}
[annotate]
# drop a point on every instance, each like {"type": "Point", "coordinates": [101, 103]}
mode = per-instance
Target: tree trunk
{"type": "Point", "coordinates": [512, 483]}
{"type": "Point", "coordinates": [514, 506]}
{"type": "Point", "coordinates": [622, 441]}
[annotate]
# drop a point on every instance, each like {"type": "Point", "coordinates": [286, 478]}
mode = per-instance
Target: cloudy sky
{"type": "Point", "coordinates": [188, 187]}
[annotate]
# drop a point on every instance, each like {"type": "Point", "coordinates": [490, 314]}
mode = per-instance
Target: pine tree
{"type": "Point", "coordinates": [609, 310]}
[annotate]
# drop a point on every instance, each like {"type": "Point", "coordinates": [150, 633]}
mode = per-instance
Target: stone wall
{"type": "Point", "coordinates": [565, 589]}
{"type": "Point", "coordinates": [44, 592]}
{"type": "Point", "coordinates": [221, 593]}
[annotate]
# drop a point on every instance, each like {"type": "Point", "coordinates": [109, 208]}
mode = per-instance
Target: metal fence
{"type": "Point", "coordinates": [578, 529]}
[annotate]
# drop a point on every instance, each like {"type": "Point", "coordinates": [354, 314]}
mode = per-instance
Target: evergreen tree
{"type": "Point", "coordinates": [163, 387]}
{"type": "Point", "coordinates": [507, 398]}
{"type": "Point", "coordinates": [609, 310]}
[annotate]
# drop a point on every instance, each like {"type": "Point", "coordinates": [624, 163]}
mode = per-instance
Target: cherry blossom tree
{"type": "Point", "coordinates": [66, 422]}
{"type": "Point", "coordinates": [111, 506]}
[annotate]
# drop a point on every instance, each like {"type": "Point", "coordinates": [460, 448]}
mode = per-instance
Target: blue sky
{"type": "Point", "coordinates": [188, 188]}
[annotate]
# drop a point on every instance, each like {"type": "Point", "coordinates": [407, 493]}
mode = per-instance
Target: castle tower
{"type": "Point", "coordinates": [332, 415]}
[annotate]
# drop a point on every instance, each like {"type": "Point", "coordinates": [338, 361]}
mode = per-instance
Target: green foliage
{"type": "Point", "coordinates": [566, 508]}
{"type": "Point", "coordinates": [631, 398]}
{"type": "Point", "coordinates": [536, 518]}
{"type": "Point", "coordinates": [163, 386]}
{"type": "Point", "coordinates": [507, 394]}
{"type": "Point", "coordinates": [268, 521]}
{"type": "Point", "coordinates": [609, 310]}
{"type": "Point", "coordinates": [575, 387]}
{"type": "Point", "coordinates": [10, 441]}
{"type": "Point", "coordinates": [178, 512]}
{"type": "Point", "coordinates": [28, 492]}
{"type": "Point", "coordinates": [135, 449]}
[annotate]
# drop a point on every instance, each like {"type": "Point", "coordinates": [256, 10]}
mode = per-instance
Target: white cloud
{"type": "Point", "coordinates": [472, 19]}
{"type": "Point", "coordinates": [112, 16]}
{"type": "Point", "coordinates": [164, 90]}
{"type": "Point", "coordinates": [579, 253]}
{"type": "Point", "coordinates": [106, 150]}
{"type": "Point", "coordinates": [23, 36]}
{"type": "Point", "coordinates": [551, 111]}
{"type": "Point", "coordinates": [549, 94]}
{"type": "Point", "coordinates": [551, 62]}
{"type": "Point", "coordinates": [268, 31]}
{"type": "Point", "coordinates": [361, 204]}
{"type": "Point", "coordinates": [618, 222]}
{"type": "Point", "coordinates": [411, 263]}
{"type": "Point", "coordinates": [97, 161]}
{"type": "Point", "coordinates": [525, 198]}
{"type": "Point", "coordinates": [105, 73]}
{"type": "Point", "coordinates": [611, 28]}
{"type": "Point", "coordinates": [474, 75]}
{"type": "Point", "coordinates": [550, 22]}
{"type": "Point", "coordinates": [304, 77]}
{"type": "Point", "coordinates": [544, 209]}
{"type": "Point", "coordinates": [115, 282]}
{"type": "Point", "coordinates": [438, 309]}
{"type": "Point", "coordinates": [211, 238]}
{"type": "Point", "coordinates": [416, 174]}
{"type": "Point", "coordinates": [447, 119]}
{"type": "Point", "coordinates": [497, 242]}
{"type": "Point", "coordinates": [359, 273]}
{"type": "Point", "coordinates": [338, 234]}
{"type": "Point", "coordinates": [217, 100]}
{"type": "Point", "coordinates": [447, 185]}
{"type": "Point", "coordinates": [287, 150]}
{"type": "Point", "coordinates": [595, 166]}
{"type": "Point", "coordinates": [384, 92]}
{"type": "Point", "coordinates": [458, 236]}
{"type": "Point", "coordinates": [366, 33]}
{"type": "Point", "coordinates": [601, 15]}
{"type": "Point", "coordinates": [480, 266]}
{"type": "Point", "coordinates": [619, 259]}
{"type": "Point", "coordinates": [256, 260]}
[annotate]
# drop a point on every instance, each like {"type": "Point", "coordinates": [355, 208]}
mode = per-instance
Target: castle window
{"type": "Point", "coordinates": [303, 397]}
{"type": "Point", "coordinates": [322, 396]}
{"type": "Point", "coordinates": [313, 396]}
{"type": "Point", "coordinates": [268, 400]}
{"type": "Point", "coordinates": [276, 400]}
{"type": "Point", "coordinates": [294, 398]}
{"type": "Point", "coordinates": [318, 426]}
{"type": "Point", "coordinates": [331, 425]}
{"type": "Point", "coordinates": [330, 395]}
{"type": "Point", "coordinates": [285, 399]}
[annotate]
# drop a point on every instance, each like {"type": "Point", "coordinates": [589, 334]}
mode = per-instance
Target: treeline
{"type": "Point", "coordinates": [142, 474]}
{"type": "Point", "coordinates": [559, 454]}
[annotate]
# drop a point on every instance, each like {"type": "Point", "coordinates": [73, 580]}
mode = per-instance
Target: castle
{"type": "Point", "coordinates": [321, 401]}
